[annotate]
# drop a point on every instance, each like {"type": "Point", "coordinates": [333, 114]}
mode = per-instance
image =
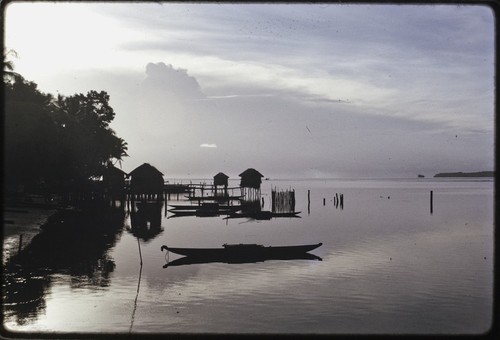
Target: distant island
{"type": "Point", "coordinates": [466, 174]}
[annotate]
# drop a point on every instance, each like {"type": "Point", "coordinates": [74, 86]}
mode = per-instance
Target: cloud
{"type": "Point", "coordinates": [230, 96]}
{"type": "Point", "coordinates": [269, 130]}
{"type": "Point", "coordinates": [284, 88]}
{"type": "Point", "coordinates": [413, 66]}
{"type": "Point", "coordinates": [171, 81]}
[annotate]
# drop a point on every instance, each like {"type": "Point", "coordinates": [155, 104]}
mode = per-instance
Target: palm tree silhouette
{"type": "Point", "coordinates": [8, 66]}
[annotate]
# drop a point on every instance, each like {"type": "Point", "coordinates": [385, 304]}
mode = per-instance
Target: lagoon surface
{"type": "Point", "coordinates": [388, 265]}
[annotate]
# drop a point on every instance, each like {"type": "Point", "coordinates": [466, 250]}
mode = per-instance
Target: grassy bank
{"type": "Point", "coordinates": [20, 225]}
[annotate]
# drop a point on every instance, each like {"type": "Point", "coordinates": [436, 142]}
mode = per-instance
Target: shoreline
{"type": "Point", "coordinates": [21, 223]}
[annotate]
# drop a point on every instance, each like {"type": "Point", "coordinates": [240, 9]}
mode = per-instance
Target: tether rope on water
{"type": "Point", "coordinates": [167, 258]}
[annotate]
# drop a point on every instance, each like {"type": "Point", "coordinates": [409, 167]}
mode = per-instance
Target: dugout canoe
{"type": "Point", "coordinates": [242, 250]}
{"type": "Point", "coordinates": [204, 206]}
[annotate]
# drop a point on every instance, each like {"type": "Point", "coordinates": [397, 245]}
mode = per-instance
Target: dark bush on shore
{"type": "Point", "coordinates": [56, 144]}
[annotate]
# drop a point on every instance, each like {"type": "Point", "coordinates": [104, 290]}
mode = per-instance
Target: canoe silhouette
{"type": "Point", "coordinates": [204, 207]}
{"type": "Point", "coordinates": [241, 253]}
{"type": "Point", "coordinates": [242, 250]}
{"type": "Point", "coordinates": [203, 210]}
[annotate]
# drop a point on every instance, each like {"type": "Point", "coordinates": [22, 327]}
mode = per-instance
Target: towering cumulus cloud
{"type": "Point", "coordinates": [171, 81]}
{"type": "Point", "coordinates": [168, 96]}
{"type": "Point", "coordinates": [175, 122]}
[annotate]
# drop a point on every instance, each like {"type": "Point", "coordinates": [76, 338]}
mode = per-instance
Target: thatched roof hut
{"type": "Point", "coordinates": [146, 179]}
{"type": "Point", "coordinates": [114, 180]}
{"type": "Point", "coordinates": [251, 178]}
{"type": "Point", "coordinates": [221, 179]}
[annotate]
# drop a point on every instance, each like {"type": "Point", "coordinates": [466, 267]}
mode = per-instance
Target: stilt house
{"type": "Point", "coordinates": [146, 180]}
{"type": "Point", "coordinates": [114, 182]}
{"type": "Point", "coordinates": [251, 178]}
{"type": "Point", "coordinates": [221, 179]}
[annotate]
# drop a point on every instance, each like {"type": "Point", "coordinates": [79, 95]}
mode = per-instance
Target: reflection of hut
{"type": "Point", "coordinates": [146, 221]}
{"type": "Point", "coordinates": [251, 178]}
{"type": "Point", "coordinates": [146, 181]}
{"type": "Point", "coordinates": [250, 184]}
{"type": "Point", "coordinates": [114, 182]}
{"type": "Point", "coordinates": [221, 179]}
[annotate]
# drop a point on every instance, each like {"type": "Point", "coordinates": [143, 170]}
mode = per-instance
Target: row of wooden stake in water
{"type": "Point", "coordinates": [337, 200]}
{"type": "Point", "coordinates": [283, 201]}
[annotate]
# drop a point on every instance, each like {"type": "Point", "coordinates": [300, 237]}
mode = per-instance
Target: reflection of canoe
{"type": "Point", "coordinates": [239, 259]}
{"type": "Point", "coordinates": [243, 250]}
{"type": "Point", "coordinates": [204, 206]}
{"type": "Point", "coordinates": [199, 213]}
{"type": "Point", "coordinates": [183, 207]}
{"type": "Point", "coordinates": [263, 215]}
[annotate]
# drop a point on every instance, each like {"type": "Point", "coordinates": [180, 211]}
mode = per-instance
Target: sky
{"type": "Point", "coordinates": [292, 90]}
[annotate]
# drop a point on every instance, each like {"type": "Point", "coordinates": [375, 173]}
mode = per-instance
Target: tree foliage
{"type": "Point", "coordinates": [57, 143]}
{"type": "Point", "coordinates": [8, 66]}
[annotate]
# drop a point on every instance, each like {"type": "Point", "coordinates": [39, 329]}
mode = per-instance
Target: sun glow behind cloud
{"type": "Point", "coordinates": [64, 37]}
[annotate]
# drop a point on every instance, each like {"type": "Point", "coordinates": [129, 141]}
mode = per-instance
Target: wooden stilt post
{"type": "Point", "coordinates": [308, 202]}
{"type": "Point", "coordinates": [432, 202]}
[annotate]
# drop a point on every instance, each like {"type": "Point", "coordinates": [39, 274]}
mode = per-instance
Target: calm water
{"type": "Point", "coordinates": [388, 266]}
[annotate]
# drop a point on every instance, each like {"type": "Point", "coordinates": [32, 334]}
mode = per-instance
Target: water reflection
{"type": "Point", "coordinates": [74, 244]}
{"type": "Point", "coordinates": [240, 253]}
{"type": "Point", "coordinates": [420, 273]}
{"type": "Point", "coordinates": [146, 220]}
{"type": "Point", "coordinates": [23, 292]}
{"type": "Point", "coordinates": [213, 209]}
{"type": "Point", "coordinates": [250, 207]}
{"type": "Point", "coordinates": [253, 210]}
{"type": "Point", "coordinates": [187, 260]}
